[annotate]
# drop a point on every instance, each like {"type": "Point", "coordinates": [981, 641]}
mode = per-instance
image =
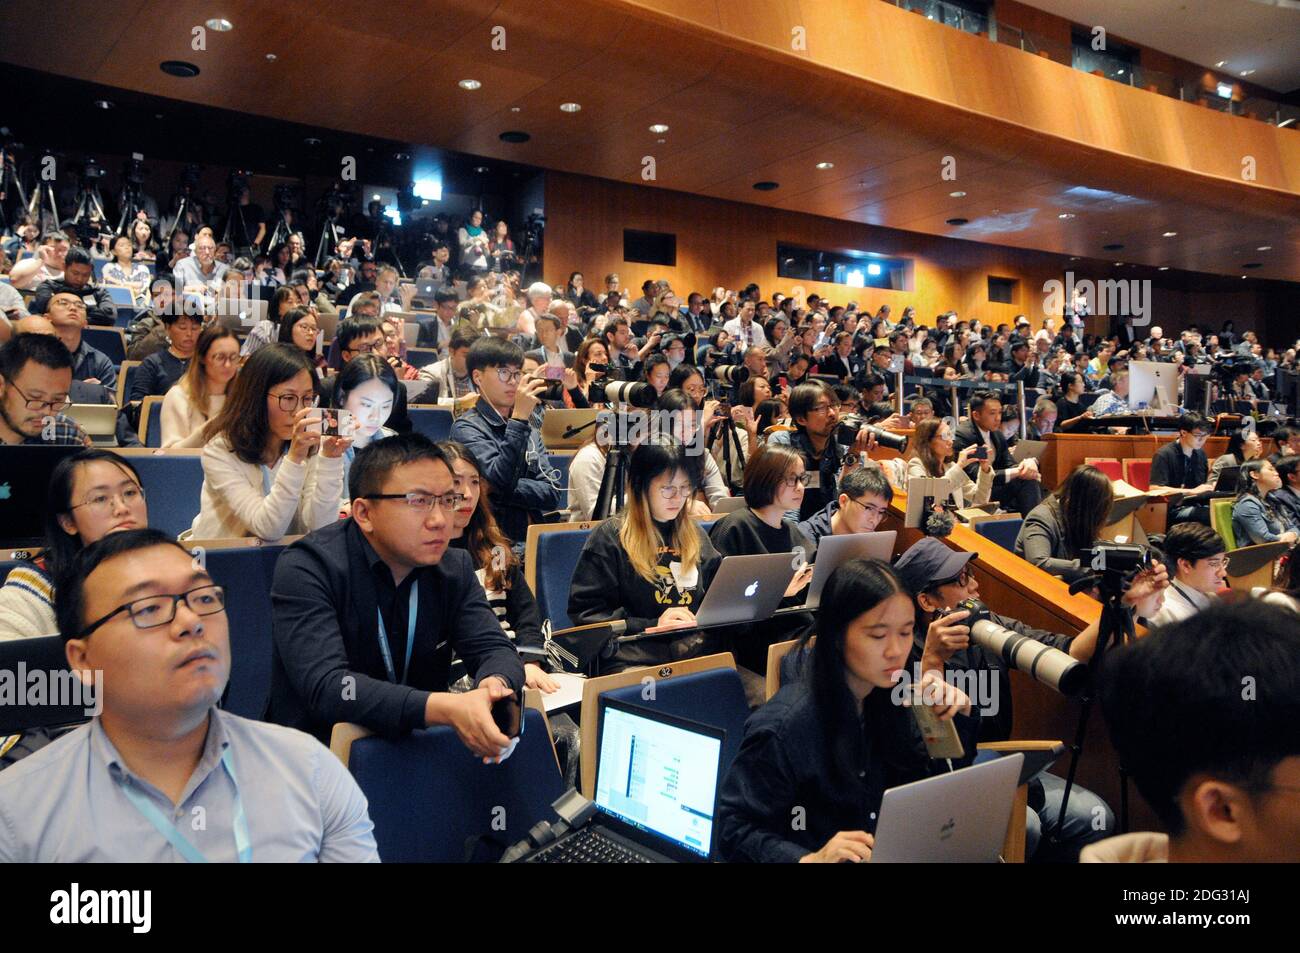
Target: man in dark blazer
{"type": "Point", "coordinates": [1015, 486]}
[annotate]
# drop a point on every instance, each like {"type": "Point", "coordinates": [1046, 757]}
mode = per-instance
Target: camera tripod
{"type": "Point", "coordinates": [90, 204]}
{"type": "Point", "coordinates": [732, 453]}
{"type": "Point", "coordinates": [11, 186]}
{"type": "Point", "coordinates": [236, 211]}
{"type": "Point", "coordinates": [1115, 628]}
{"type": "Point", "coordinates": [329, 240]}
{"type": "Point", "coordinates": [182, 209]}
{"type": "Point", "coordinates": [283, 230]}
{"type": "Point", "coordinates": [130, 204]}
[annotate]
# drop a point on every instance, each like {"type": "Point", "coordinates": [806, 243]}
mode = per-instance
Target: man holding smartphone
{"type": "Point", "coordinates": [1017, 486]}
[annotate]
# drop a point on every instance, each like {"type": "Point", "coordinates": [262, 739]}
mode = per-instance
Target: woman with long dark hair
{"type": "Point", "coordinates": [1243, 446]}
{"type": "Point", "coordinates": [935, 459]}
{"type": "Point", "coordinates": [1069, 521]}
{"type": "Point", "coordinates": [201, 392]}
{"type": "Point", "coordinates": [92, 493]}
{"type": "Point", "coordinates": [650, 564]}
{"type": "Point", "coordinates": [1253, 518]}
{"type": "Point", "coordinates": [833, 739]}
{"type": "Point", "coordinates": [262, 474]}
{"type": "Point", "coordinates": [299, 328]}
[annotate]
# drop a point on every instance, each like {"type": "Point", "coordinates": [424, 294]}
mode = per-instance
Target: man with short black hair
{"type": "Point", "coordinates": [1288, 443]}
{"type": "Point", "coordinates": [47, 265]}
{"type": "Point", "coordinates": [1015, 485]}
{"type": "Point", "coordinates": [369, 612]}
{"type": "Point", "coordinates": [550, 345]}
{"type": "Point", "coordinates": [35, 379]}
{"type": "Point", "coordinates": [161, 773]}
{"type": "Point", "coordinates": [159, 371]}
{"type": "Point", "coordinates": [1182, 466]}
{"type": "Point", "coordinates": [451, 375]}
{"type": "Point", "coordinates": [865, 495]}
{"type": "Point", "coordinates": [1198, 559]}
{"type": "Point", "coordinates": [78, 271]}
{"type": "Point", "coordinates": [1219, 764]}
{"type": "Point", "coordinates": [67, 312]}
{"type": "Point", "coordinates": [815, 412]}
{"type": "Point", "coordinates": [498, 431]}
{"type": "Point", "coordinates": [437, 333]}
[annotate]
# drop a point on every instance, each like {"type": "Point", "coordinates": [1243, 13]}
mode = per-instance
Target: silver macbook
{"type": "Point", "coordinates": [746, 589]}
{"type": "Point", "coordinates": [834, 551]}
{"type": "Point", "coordinates": [960, 817]}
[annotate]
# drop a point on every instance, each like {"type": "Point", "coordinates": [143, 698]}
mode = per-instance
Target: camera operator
{"type": "Point", "coordinates": [815, 411]}
{"type": "Point", "coordinates": [498, 432]}
{"type": "Point", "coordinates": [940, 578]}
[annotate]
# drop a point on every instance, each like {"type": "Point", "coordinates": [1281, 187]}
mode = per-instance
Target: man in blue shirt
{"type": "Point", "coordinates": [67, 313]}
{"type": "Point", "coordinates": [161, 774]}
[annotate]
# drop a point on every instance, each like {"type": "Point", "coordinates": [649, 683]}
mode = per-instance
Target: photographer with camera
{"type": "Point", "coordinates": [941, 578]}
{"type": "Point", "coordinates": [498, 432]}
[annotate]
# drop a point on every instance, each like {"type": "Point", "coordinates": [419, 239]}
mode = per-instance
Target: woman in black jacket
{"type": "Point", "coordinates": [651, 563]}
{"type": "Point", "coordinates": [823, 751]}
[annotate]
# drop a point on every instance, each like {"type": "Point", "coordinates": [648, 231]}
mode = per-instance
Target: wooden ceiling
{"type": "Point", "coordinates": [1031, 139]}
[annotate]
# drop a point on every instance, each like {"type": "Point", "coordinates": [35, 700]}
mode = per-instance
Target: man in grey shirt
{"type": "Point", "coordinates": [201, 273]}
{"type": "Point", "coordinates": [161, 774]}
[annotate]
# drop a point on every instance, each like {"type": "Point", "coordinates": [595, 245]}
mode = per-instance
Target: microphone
{"type": "Point", "coordinates": [939, 524]}
{"type": "Point", "coordinates": [1049, 666]}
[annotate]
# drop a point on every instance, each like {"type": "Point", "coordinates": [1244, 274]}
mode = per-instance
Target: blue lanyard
{"type": "Point", "coordinates": [243, 844]}
{"type": "Point", "coordinates": [412, 610]}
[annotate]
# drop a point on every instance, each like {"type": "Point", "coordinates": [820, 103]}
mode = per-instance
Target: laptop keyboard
{"type": "Point", "coordinates": [589, 846]}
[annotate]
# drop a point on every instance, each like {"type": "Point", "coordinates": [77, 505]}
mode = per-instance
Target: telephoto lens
{"type": "Point", "coordinates": [622, 392]}
{"type": "Point", "coordinates": [846, 431]}
{"type": "Point", "coordinates": [1049, 666]}
{"type": "Point", "coordinates": [733, 374]}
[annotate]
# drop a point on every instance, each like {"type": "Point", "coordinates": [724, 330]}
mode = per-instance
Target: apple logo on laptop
{"type": "Point", "coordinates": [751, 589]}
{"type": "Point", "coordinates": [4, 491]}
{"type": "Point", "coordinates": [946, 830]}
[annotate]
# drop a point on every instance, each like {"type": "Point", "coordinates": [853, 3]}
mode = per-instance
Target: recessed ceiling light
{"type": "Point", "coordinates": [1219, 65]}
{"type": "Point", "coordinates": [825, 165]}
{"type": "Point", "coordinates": [1066, 215]}
{"type": "Point", "coordinates": [270, 57]}
{"type": "Point", "coordinates": [1119, 72]}
{"type": "Point", "coordinates": [1164, 267]}
{"type": "Point", "coordinates": [570, 107]}
{"type": "Point", "coordinates": [661, 141]}
{"type": "Point", "coordinates": [514, 136]}
{"type": "Point", "coordinates": [220, 25]}
{"type": "Point", "coordinates": [957, 221]}
{"type": "Point", "coordinates": [1247, 72]}
{"type": "Point", "coordinates": [103, 104]}
{"type": "Point", "coordinates": [401, 156]}
{"type": "Point", "coordinates": [766, 186]}
{"type": "Point", "coordinates": [312, 141]}
{"type": "Point", "coordinates": [469, 84]}
{"type": "Point", "coordinates": [1074, 258]}
{"type": "Point", "coordinates": [957, 195]}
{"type": "Point", "coordinates": [1264, 248]}
{"type": "Point", "coordinates": [179, 68]}
{"type": "Point", "coordinates": [480, 168]}
{"type": "Point", "coordinates": [1113, 246]}
{"type": "Point", "coordinates": [1119, 264]}
{"type": "Point", "coordinates": [658, 128]}
{"type": "Point", "coordinates": [515, 109]}
{"type": "Point", "coordinates": [1170, 234]}
{"type": "Point", "coordinates": [1243, 277]}
{"type": "Point", "coordinates": [377, 197]}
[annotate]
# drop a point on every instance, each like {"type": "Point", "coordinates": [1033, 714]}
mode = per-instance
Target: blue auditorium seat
{"type": "Point", "coordinates": [246, 575]}
{"type": "Point", "coordinates": [1002, 532]}
{"type": "Point", "coordinates": [713, 697]}
{"type": "Point", "coordinates": [431, 800]}
{"type": "Point", "coordinates": [557, 559]}
{"type": "Point", "coordinates": [172, 483]}
{"type": "Point", "coordinates": [108, 340]}
{"type": "Point", "coordinates": [433, 422]}
{"type": "Point", "coordinates": [45, 654]}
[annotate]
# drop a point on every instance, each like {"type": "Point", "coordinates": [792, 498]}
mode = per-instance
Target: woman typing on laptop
{"type": "Point", "coordinates": [816, 760]}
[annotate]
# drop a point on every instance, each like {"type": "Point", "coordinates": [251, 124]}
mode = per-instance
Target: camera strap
{"type": "Point", "coordinates": [413, 609]}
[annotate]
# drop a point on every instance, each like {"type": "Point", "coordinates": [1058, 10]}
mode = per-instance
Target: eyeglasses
{"type": "Point", "coordinates": [289, 403]}
{"type": "Point", "coordinates": [58, 405]}
{"type": "Point", "coordinates": [152, 611]}
{"type": "Point", "coordinates": [423, 502]}
{"type": "Point", "coordinates": [802, 479]}
{"type": "Point", "coordinates": [364, 348]}
{"type": "Point", "coordinates": [963, 580]}
{"type": "Point", "coordinates": [102, 503]}
{"type": "Point", "coordinates": [309, 328]}
{"type": "Point", "coordinates": [507, 376]}
{"type": "Point", "coordinates": [823, 408]}
{"type": "Point", "coordinates": [672, 491]}
{"type": "Point", "coordinates": [225, 358]}
{"type": "Point", "coordinates": [1218, 562]}
{"type": "Point", "coordinates": [878, 511]}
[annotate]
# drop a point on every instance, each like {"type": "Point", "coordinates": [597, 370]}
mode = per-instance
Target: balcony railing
{"type": "Point", "coordinates": [1098, 63]}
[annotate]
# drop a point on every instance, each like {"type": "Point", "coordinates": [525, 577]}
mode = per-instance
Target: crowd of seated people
{"type": "Point", "coordinates": [404, 601]}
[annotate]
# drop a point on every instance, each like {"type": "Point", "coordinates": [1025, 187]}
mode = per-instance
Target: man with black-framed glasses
{"type": "Point", "coordinates": [499, 433]}
{"type": "Point", "coordinates": [161, 774]}
{"type": "Point", "coordinates": [368, 613]}
{"type": "Point", "coordinates": [1199, 560]}
{"type": "Point", "coordinates": [35, 378]}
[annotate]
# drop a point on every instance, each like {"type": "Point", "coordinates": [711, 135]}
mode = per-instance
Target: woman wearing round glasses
{"type": "Point", "coordinates": [935, 460]}
{"type": "Point", "coordinates": [92, 493]}
{"type": "Point", "coordinates": [201, 393]}
{"type": "Point", "coordinates": [262, 474]}
{"type": "Point", "coordinates": [650, 564]}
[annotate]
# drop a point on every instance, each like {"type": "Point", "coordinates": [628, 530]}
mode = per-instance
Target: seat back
{"type": "Point", "coordinates": [151, 421]}
{"type": "Point", "coordinates": [552, 569]}
{"type": "Point", "coordinates": [125, 374]}
{"type": "Point", "coordinates": [1002, 532]}
{"type": "Point", "coordinates": [172, 484]}
{"type": "Point", "coordinates": [1221, 521]}
{"type": "Point", "coordinates": [775, 653]}
{"type": "Point", "coordinates": [64, 701]}
{"type": "Point", "coordinates": [112, 341]}
{"type": "Point", "coordinates": [430, 799]}
{"type": "Point", "coordinates": [1107, 465]}
{"type": "Point", "coordinates": [422, 356]}
{"type": "Point", "coordinates": [433, 422]}
{"type": "Point", "coordinates": [246, 575]}
{"type": "Point", "coordinates": [1137, 473]}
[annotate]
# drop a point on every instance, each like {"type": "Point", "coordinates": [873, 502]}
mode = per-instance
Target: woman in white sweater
{"type": "Point", "coordinates": [201, 392]}
{"type": "Point", "coordinates": [934, 459]}
{"type": "Point", "coordinates": [267, 470]}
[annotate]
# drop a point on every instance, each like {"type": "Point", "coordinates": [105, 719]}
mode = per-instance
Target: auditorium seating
{"type": "Point", "coordinates": [432, 802]}
{"type": "Point", "coordinates": [246, 573]}
{"type": "Point", "coordinates": [1002, 532]}
{"type": "Point", "coordinates": [433, 422]}
{"type": "Point", "coordinates": [1137, 473]}
{"type": "Point", "coordinates": [151, 421]}
{"type": "Point", "coordinates": [1221, 521]}
{"type": "Point", "coordinates": [172, 482]}
{"type": "Point", "coordinates": [422, 356]}
{"type": "Point", "coordinates": [125, 374]}
{"type": "Point", "coordinates": [112, 341]}
{"type": "Point", "coordinates": [44, 655]}
{"type": "Point", "coordinates": [1107, 465]}
{"type": "Point", "coordinates": [550, 557]}
{"type": "Point", "coordinates": [121, 297]}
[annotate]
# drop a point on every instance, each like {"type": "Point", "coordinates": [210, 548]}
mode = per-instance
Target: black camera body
{"type": "Point", "coordinates": [846, 432]}
{"type": "Point", "coordinates": [1116, 558]}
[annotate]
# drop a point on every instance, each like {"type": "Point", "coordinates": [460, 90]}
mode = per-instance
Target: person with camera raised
{"type": "Point", "coordinates": [498, 432]}
{"type": "Point", "coordinates": [1016, 486]}
{"type": "Point", "coordinates": [940, 578]}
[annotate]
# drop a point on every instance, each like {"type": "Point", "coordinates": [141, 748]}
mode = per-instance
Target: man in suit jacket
{"type": "Point", "coordinates": [1015, 486]}
{"type": "Point", "coordinates": [551, 347]}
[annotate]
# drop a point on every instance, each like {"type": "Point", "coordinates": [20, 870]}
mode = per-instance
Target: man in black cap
{"type": "Point", "coordinates": [940, 577]}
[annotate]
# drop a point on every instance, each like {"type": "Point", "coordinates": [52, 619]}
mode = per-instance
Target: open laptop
{"type": "Point", "coordinates": [657, 780]}
{"type": "Point", "coordinates": [242, 316]}
{"type": "Point", "coordinates": [746, 589]}
{"type": "Point", "coordinates": [834, 551]}
{"type": "Point", "coordinates": [24, 488]}
{"type": "Point", "coordinates": [960, 817]}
